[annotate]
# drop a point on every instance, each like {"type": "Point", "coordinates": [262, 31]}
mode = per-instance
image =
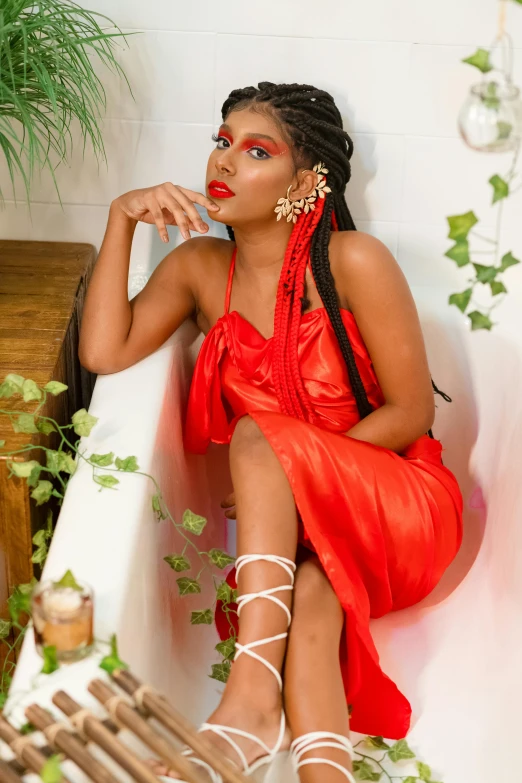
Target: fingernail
{"type": "Point", "coordinates": [203, 227]}
{"type": "Point", "coordinates": [165, 237]}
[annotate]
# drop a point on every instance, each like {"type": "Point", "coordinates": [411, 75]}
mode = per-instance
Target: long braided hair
{"type": "Point", "coordinates": [309, 119]}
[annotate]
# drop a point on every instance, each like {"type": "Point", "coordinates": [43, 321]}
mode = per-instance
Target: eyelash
{"type": "Point", "coordinates": [216, 138]}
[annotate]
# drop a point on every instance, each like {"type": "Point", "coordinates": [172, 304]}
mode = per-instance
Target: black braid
{"type": "Point", "coordinates": [311, 121]}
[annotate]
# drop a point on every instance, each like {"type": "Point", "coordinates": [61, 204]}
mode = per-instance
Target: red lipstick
{"type": "Point", "coordinates": [218, 189]}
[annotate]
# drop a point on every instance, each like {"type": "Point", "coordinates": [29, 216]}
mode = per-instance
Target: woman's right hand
{"type": "Point", "coordinates": [166, 204]}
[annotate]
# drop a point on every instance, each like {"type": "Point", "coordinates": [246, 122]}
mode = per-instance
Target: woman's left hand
{"type": "Point", "coordinates": [230, 504]}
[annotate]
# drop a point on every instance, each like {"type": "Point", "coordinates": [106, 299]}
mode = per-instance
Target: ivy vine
{"type": "Point", "coordinates": [462, 227]}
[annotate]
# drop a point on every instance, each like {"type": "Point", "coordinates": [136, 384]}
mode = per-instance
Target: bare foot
{"type": "Point", "coordinates": [262, 724]}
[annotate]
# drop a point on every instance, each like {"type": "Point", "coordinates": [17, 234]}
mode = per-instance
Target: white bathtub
{"type": "Point", "coordinates": [456, 655]}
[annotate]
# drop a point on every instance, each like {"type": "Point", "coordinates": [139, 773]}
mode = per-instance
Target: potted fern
{"type": "Point", "coordinates": [47, 79]}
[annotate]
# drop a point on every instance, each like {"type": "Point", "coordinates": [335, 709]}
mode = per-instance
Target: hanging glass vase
{"type": "Point", "coordinates": [490, 119]}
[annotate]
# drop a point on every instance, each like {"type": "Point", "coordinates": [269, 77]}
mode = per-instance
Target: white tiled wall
{"type": "Point", "coordinates": [393, 66]}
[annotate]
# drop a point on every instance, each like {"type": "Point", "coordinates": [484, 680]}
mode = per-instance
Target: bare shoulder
{"type": "Point", "coordinates": [364, 268]}
{"type": "Point", "coordinates": [197, 261]}
{"type": "Point", "coordinates": [353, 250]}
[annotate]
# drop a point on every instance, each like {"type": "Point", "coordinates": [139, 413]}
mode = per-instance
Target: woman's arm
{"type": "Point", "coordinates": [383, 306]}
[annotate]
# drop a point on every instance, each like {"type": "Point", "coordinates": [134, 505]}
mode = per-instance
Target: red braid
{"type": "Point", "coordinates": [289, 387]}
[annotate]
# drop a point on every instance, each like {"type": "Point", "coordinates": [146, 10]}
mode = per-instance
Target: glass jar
{"type": "Point", "coordinates": [63, 618]}
{"type": "Point", "coordinates": [490, 120]}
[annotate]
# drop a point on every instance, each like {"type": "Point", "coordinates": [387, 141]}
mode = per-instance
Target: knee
{"type": "Point", "coordinates": [247, 439]}
{"type": "Point", "coordinates": [315, 606]}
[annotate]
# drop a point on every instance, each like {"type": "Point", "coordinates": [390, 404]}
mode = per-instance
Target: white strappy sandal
{"type": "Point", "coordinates": [321, 739]}
{"type": "Point", "coordinates": [270, 754]}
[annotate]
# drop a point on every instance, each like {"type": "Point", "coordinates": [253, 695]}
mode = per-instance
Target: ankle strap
{"type": "Point", "coordinates": [284, 562]}
{"type": "Point", "coordinates": [321, 739]}
{"type": "Point", "coordinates": [290, 567]}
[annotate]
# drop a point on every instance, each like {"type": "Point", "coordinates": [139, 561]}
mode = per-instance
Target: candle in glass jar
{"type": "Point", "coordinates": [63, 618]}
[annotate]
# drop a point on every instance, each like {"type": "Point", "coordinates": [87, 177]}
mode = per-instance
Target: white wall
{"type": "Point", "coordinates": [392, 65]}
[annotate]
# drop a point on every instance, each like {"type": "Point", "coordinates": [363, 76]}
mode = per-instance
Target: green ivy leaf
{"type": "Point", "coordinates": [497, 287]}
{"type": "Point", "coordinates": [220, 671]}
{"type": "Point", "coordinates": [113, 662]}
{"type": "Point", "coordinates": [68, 580]}
{"type": "Point", "coordinates": [500, 188]}
{"type": "Point", "coordinates": [129, 464]}
{"type": "Point", "coordinates": [220, 558]}
{"type": "Point", "coordinates": [5, 628]}
{"type": "Point", "coordinates": [156, 507]}
{"type": "Point", "coordinates": [424, 771]}
{"type": "Point", "coordinates": [480, 60]}
{"type": "Point", "coordinates": [201, 617]}
{"type": "Point", "coordinates": [41, 540]}
{"type": "Point", "coordinates": [83, 422]}
{"type": "Point", "coordinates": [504, 128]}
{"type": "Point", "coordinates": [365, 771]}
{"type": "Point", "coordinates": [2, 443]}
{"type": "Point", "coordinates": [400, 750]}
{"type": "Point", "coordinates": [224, 592]}
{"type": "Point", "coordinates": [106, 480]}
{"type": "Point", "coordinates": [376, 742]}
{"type": "Point", "coordinates": [3, 699]}
{"type": "Point", "coordinates": [490, 99]}
{"type": "Point", "coordinates": [55, 387]}
{"type": "Point", "coordinates": [485, 273]}
{"type": "Point", "coordinates": [16, 381]}
{"type": "Point", "coordinates": [20, 601]}
{"type": "Point", "coordinates": [50, 658]}
{"type": "Point", "coordinates": [507, 260]}
{"type": "Point", "coordinates": [479, 320]}
{"type": "Point", "coordinates": [58, 461]}
{"type": "Point", "coordinates": [460, 225]}
{"type": "Point", "coordinates": [102, 460]}
{"type": "Point", "coordinates": [24, 469]}
{"type": "Point", "coordinates": [410, 779]}
{"type": "Point", "coordinates": [25, 423]}
{"type": "Point", "coordinates": [31, 391]}
{"type": "Point", "coordinates": [459, 252]}
{"type": "Point", "coordinates": [44, 426]}
{"type": "Point", "coordinates": [193, 522]}
{"type": "Point", "coordinates": [51, 771]}
{"type": "Point", "coordinates": [177, 562]}
{"type": "Point", "coordinates": [42, 492]}
{"type": "Point", "coordinates": [227, 648]}
{"type": "Point", "coordinates": [462, 299]}
{"type": "Point", "coordinates": [187, 585]}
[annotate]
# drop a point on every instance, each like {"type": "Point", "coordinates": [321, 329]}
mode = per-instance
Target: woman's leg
{"type": "Point", "coordinates": [266, 524]}
{"type": "Point", "coordinates": [313, 688]}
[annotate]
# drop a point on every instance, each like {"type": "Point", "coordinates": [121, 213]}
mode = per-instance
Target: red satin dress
{"type": "Point", "coordinates": [384, 525]}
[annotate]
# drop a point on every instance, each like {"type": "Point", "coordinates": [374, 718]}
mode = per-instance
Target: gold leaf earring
{"type": "Point", "coordinates": [291, 209]}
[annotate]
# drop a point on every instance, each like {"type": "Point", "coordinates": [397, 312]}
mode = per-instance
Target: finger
{"type": "Point", "coordinates": [192, 220]}
{"type": "Point", "coordinates": [198, 198]}
{"type": "Point", "coordinates": [187, 204]}
{"type": "Point", "coordinates": [230, 500]}
{"type": "Point", "coordinates": [231, 513]}
{"type": "Point", "coordinates": [155, 210]}
{"type": "Point", "coordinates": [181, 220]}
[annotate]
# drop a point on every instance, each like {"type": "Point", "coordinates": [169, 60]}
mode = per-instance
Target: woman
{"type": "Point", "coordinates": [314, 369]}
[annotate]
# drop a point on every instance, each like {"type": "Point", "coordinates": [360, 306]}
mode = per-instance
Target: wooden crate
{"type": "Point", "coordinates": [42, 290]}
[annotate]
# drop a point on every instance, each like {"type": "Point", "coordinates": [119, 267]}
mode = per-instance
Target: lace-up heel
{"type": "Point", "coordinates": [320, 739]}
{"type": "Point", "coordinates": [272, 757]}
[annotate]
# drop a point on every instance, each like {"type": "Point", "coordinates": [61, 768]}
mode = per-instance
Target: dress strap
{"type": "Point", "coordinates": [229, 283]}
